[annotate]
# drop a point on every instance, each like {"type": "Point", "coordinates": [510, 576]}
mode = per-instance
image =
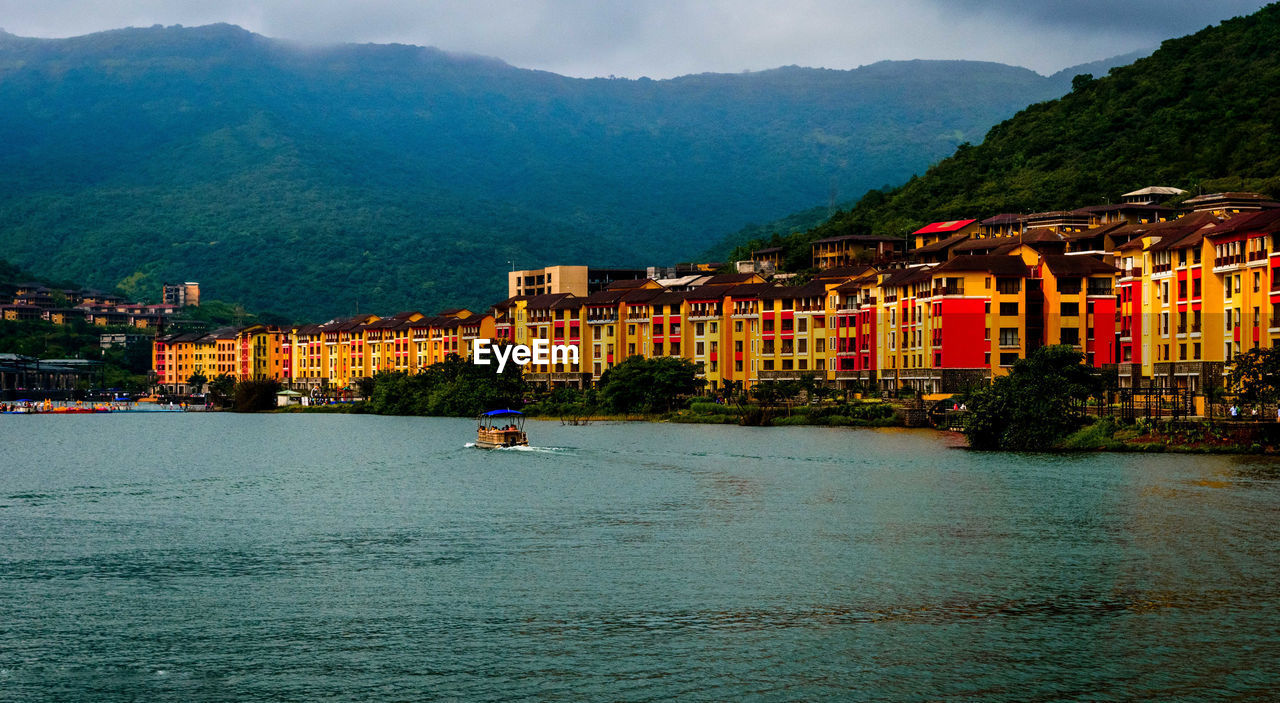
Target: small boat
{"type": "Point", "coordinates": [501, 428]}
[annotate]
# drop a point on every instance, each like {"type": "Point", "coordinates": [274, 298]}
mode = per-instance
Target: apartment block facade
{"type": "Point", "coordinates": [1163, 296]}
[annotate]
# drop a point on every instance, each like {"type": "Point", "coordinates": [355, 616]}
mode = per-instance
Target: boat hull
{"type": "Point", "coordinates": [499, 439]}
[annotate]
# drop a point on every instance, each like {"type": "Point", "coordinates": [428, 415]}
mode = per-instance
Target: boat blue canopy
{"type": "Point", "coordinates": [495, 413]}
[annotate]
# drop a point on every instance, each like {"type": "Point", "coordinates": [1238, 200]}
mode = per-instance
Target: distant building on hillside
{"type": "Point", "coordinates": [578, 280]}
{"type": "Point", "coordinates": [854, 249]}
{"type": "Point", "coordinates": [1151, 195]}
{"type": "Point", "coordinates": [182, 294]}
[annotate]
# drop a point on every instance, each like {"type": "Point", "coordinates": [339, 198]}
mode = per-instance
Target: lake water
{"type": "Point", "coordinates": [210, 557]}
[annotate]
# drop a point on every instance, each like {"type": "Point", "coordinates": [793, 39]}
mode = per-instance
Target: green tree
{"type": "Point", "coordinates": [222, 387]}
{"type": "Point", "coordinates": [1037, 404]}
{"type": "Point", "coordinates": [649, 385]}
{"type": "Point", "coordinates": [453, 387]}
{"type": "Point", "coordinates": [256, 395]}
{"type": "Point", "coordinates": [196, 381]}
{"type": "Point", "coordinates": [1255, 375]}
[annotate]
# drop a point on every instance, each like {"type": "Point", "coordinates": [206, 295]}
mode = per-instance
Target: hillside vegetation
{"type": "Point", "coordinates": [1200, 113]}
{"type": "Point", "coordinates": [315, 181]}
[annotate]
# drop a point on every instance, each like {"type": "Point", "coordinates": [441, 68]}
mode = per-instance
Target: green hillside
{"type": "Point", "coordinates": [315, 181]}
{"type": "Point", "coordinates": [1200, 113]}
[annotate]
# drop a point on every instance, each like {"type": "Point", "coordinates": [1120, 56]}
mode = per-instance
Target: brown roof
{"type": "Point", "coordinates": [546, 300]}
{"type": "Point", "coordinates": [1182, 232]}
{"type": "Point", "coordinates": [1077, 265]}
{"type": "Point", "coordinates": [1230, 195]}
{"type": "Point", "coordinates": [853, 286]}
{"type": "Point", "coordinates": [860, 238]}
{"type": "Point", "coordinates": [1262, 221]}
{"type": "Point", "coordinates": [602, 297]}
{"type": "Point", "coordinates": [729, 279]}
{"type": "Point", "coordinates": [841, 272]}
{"type": "Point", "coordinates": [223, 333]}
{"type": "Point", "coordinates": [568, 302]}
{"type": "Point", "coordinates": [997, 264]}
{"type": "Point", "coordinates": [1098, 231]}
{"type": "Point", "coordinates": [1130, 207]}
{"type": "Point", "coordinates": [903, 277]}
{"type": "Point", "coordinates": [990, 244]}
{"type": "Point", "coordinates": [640, 296]}
{"type": "Point", "coordinates": [748, 290]}
{"type": "Point", "coordinates": [813, 289]}
{"type": "Point", "coordinates": [671, 297]}
{"type": "Point", "coordinates": [942, 244]}
{"type": "Point", "coordinates": [1005, 218]}
{"type": "Point", "coordinates": [1040, 235]}
{"type": "Point", "coordinates": [627, 283]}
{"type": "Point", "coordinates": [1053, 214]}
{"type": "Point", "coordinates": [433, 321]}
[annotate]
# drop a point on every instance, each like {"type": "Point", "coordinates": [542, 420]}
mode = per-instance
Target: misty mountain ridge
{"type": "Point", "coordinates": [1200, 113]}
{"type": "Point", "coordinates": [300, 179]}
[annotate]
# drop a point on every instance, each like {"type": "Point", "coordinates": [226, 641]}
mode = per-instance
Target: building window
{"type": "Point", "coordinates": [1069, 285]}
{"type": "Point", "coordinates": [1070, 310]}
{"type": "Point", "coordinates": [1008, 309]}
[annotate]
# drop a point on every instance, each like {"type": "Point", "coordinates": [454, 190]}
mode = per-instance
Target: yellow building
{"type": "Point", "coordinates": [850, 249]}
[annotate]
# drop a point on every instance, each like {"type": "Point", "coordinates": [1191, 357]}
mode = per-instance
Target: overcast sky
{"type": "Point", "coordinates": [665, 38]}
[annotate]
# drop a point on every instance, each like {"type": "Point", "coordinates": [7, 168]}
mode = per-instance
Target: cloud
{"type": "Point", "coordinates": [664, 38]}
{"type": "Point", "coordinates": [1155, 19]}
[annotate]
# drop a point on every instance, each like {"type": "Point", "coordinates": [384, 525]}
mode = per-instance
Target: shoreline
{"type": "Point", "coordinates": [1104, 435]}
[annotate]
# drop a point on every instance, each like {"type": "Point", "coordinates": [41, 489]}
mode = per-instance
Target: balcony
{"type": "Point", "coordinates": [948, 290]}
{"type": "Point", "coordinates": [1224, 263]}
{"type": "Point", "coordinates": [1103, 288]}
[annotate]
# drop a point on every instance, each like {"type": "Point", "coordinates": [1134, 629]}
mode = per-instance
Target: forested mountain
{"type": "Point", "coordinates": [315, 180]}
{"type": "Point", "coordinates": [1201, 113]}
